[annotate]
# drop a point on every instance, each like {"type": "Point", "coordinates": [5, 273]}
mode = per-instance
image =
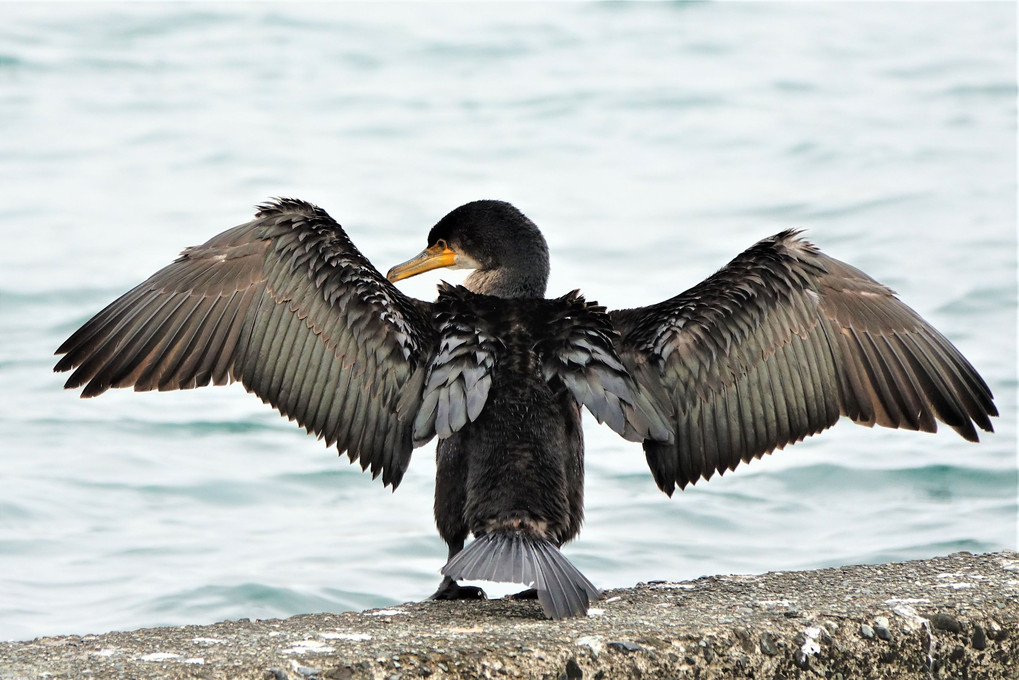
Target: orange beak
{"type": "Point", "coordinates": [432, 257]}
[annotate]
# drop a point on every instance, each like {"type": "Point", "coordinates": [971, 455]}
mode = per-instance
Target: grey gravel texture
{"type": "Point", "coordinates": [947, 617]}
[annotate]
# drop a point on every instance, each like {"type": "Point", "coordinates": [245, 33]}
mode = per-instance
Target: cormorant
{"type": "Point", "coordinates": [775, 346]}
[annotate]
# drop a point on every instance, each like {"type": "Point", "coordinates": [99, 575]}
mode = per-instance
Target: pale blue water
{"type": "Point", "coordinates": [651, 142]}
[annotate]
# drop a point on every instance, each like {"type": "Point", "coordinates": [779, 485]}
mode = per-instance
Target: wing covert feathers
{"type": "Point", "coordinates": [286, 305]}
{"type": "Point", "coordinates": [563, 340]}
{"type": "Point", "coordinates": [459, 378]}
{"type": "Point", "coordinates": [577, 347]}
{"type": "Point", "coordinates": [776, 346]}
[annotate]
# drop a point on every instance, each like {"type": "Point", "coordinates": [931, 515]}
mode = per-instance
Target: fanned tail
{"type": "Point", "coordinates": [509, 557]}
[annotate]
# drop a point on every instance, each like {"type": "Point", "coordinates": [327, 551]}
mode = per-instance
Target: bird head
{"type": "Point", "coordinates": [506, 250]}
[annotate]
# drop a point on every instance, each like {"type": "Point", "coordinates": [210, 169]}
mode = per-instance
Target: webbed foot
{"type": "Point", "coordinates": [451, 590]}
{"type": "Point", "coordinates": [529, 594]}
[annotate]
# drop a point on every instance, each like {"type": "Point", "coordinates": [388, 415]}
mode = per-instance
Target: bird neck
{"type": "Point", "coordinates": [520, 273]}
{"type": "Point", "coordinates": [507, 282]}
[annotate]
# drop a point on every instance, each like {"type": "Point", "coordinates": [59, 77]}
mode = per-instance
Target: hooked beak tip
{"type": "Point", "coordinates": [430, 258]}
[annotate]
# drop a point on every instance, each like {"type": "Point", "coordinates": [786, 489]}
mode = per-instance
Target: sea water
{"type": "Point", "coordinates": [651, 142]}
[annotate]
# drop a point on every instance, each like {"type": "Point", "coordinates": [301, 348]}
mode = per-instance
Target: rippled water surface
{"type": "Point", "coordinates": [651, 142]}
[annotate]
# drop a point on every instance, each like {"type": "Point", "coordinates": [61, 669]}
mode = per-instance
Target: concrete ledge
{"type": "Point", "coordinates": [948, 617]}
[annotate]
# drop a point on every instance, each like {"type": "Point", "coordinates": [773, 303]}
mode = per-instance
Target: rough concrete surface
{"type": "Point", "coordinates": [947, 617]}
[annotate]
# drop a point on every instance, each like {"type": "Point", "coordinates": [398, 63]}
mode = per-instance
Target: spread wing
{"type": "Point", "coordinates": [288, 306]}
{"type": "Point", "coordinates": [776, 346]}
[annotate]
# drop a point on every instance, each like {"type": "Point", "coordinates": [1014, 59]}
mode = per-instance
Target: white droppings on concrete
{"type": "Point", "coordinates": [810, 645]}
{"type": "Point", "coordinates": [309, 647]}
{"type": "Point", "coordinates": [160, 657]}
{"type": "Point", "coordinates": [912, 620]}
{"type": "Point", "coordinates": [353, 637]}
{"type": "Point", "coordinates": [915, 623]}
{"type": "Point", "coordinates": [106, 652]}
{"type": "Point", "coordinates": [208, 641]}
{"type": "Point", "coordinates": [304, 671]}
{"type": "Point", "coordinates": [592, 642]}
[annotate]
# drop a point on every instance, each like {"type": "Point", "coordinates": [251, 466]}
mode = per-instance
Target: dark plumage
{"type": "Point", "coordinates": [774, 347]}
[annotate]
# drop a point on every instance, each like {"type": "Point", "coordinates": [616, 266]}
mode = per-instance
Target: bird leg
{"type": "Point", "coordinates": [450, 589]}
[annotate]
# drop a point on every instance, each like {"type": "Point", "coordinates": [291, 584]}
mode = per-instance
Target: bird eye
{"type": "Point", "coordinates": [441, 243]}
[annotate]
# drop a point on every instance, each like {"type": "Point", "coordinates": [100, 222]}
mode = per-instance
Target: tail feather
{"type": "Point", "coordinates": [517, 558]}
{"type": "Point", "coordinates": [562, 591]}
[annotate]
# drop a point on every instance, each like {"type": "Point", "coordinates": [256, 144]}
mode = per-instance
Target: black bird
{"type": "Point", "coordinates": [773, 347]}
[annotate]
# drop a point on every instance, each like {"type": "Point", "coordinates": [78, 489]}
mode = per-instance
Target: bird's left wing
{"type": "Point", "coordinates": [777, 345]}
{"type": "Point", "coordinates": [289, 307]}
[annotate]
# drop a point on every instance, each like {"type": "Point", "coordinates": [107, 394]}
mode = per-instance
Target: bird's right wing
{"type": "Point", "coordinates": [289, 307]}
{"type": "Point", "coordinates": [776, 346]}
